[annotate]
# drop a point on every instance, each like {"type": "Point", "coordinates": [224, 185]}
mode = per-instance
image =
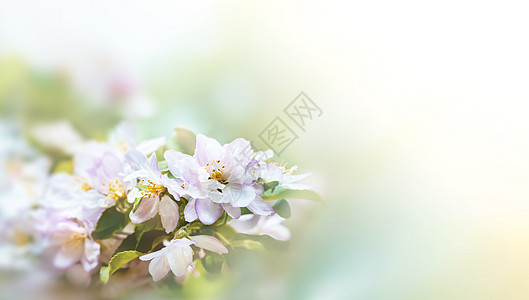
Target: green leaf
{"type": "Point", "coordinates": [111, 221]}
{"type": "Point", "coordinates": [129, 243]}
{"type": "Point", "coordinates": [282, 208]}
{"type": "Point", "coordinates": [117, 261]}
{"type": "Point", "coordinates": [293, 194]}
{"type": "Point", "coordinates": [144, 238]}
{"type": "Point", "coordinates": [149, 239]}
{"type": "Point", "coordinates": [212, 262]}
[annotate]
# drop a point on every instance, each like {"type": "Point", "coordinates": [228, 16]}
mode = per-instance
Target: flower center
{"type": "Point", "coordinates": [151, 189]}
{"type": "Point", "coordinates": [216, 171]}
{"type": "Point", "coordinates": [75, 239]}
{"type": "Point", "coordinates": [85, 186]}
{"type": "Point", "coordinates": [115, 190]}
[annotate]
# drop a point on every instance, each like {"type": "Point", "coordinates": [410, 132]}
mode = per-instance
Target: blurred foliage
{"type": "Point", "coordinates": [32, 97]}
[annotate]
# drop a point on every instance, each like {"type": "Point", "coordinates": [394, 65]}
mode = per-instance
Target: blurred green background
{"type": "Point", "coordinates": [421, 153]}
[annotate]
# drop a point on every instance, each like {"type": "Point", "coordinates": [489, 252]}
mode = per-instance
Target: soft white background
{"type": "Point", "coordinates": [423, 148]}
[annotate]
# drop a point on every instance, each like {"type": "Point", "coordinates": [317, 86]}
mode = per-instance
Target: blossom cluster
{"type": "Point", "coordinates": [122, 202]}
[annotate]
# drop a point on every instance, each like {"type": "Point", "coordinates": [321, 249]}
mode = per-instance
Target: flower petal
{"type": "Point", "coordinates": [178, 261]}
{"type": "Point", "coordinates": [207, 149]}
{"type": "Point", "coordinates": [207, 211]}
{"type": "Point", "coordinates": [168, 213]}
{"type": "Point", "coordinates": [67, 256]}
{"type": "Point", "coordinates": [136, 159]}
{"type": "Point", "coordinates": [260, 207]}
{"type": "Point", "coordinates": [152, 163]}
{"type": "Point", "coordinates": [159, 267]}
{"type": "Point", "coordinates": [151, 145]}
{"type": "Point", "coordinates": [246, 223]}
{"type": "Point", "coordinates": [209, 243]}
{"type": "Point", "coordinates": [90, 258]}
{"type": "Point", "coordinates": [190, 213]}
{"type": "Point", "coordinates": [174, 162]}
{"type": "Point", "coordinates": [239, 195]}
{"type": "Point", "coordinates": [234, 212]}
{"type": "Point", "coordinates": [152, 255]}
{"type": "Point", "coordinates": [279, 232]}
{"type": "Point", "coordinates": [146, 211]}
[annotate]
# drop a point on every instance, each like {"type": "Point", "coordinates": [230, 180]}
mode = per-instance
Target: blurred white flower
{"type": "Point", "coordinates": [255, 224]}
{"type": "Point", "coordinates": [59, 136]}
{"type": "Point", "coordinates": [73, 243]}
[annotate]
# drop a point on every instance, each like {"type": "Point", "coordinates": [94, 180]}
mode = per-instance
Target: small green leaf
{"type": "Point", "coordinates": [282, 208]}
{"type": "Point", "coordinates": [245, 211]}
{"type": "Point", "coordinates": [111, 221]}
{"type": "Point", "coordinates": [293, 194]}
{"type": "Point", "coordinates": [270, 186]}
{"type": "Point", "coordinates": [117, 261]}
{"type": "Point", "coordinates": [212, 262]}
{"type": "Point", "coordinates": [137, 203]}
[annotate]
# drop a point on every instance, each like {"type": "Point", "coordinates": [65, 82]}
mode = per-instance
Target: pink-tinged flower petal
{"type": "Point", "coordinates": [207, 149]}
{"type": "Point", "coordinates": [270, 172]}
{"type": "Point", "coordinates": [137, 174]}
{"type": "Point", "coordinates": [174, 162]}
{"type": "Point", "coordinates": [209, 243]}
{"type": "Point", "coordinates": [218, 197]}
{"type": "Point", "coordinates": [240, 150]}
{"type": "Point", "coordinates": [151, 145]}
{"type": "Point", "coordinates": [234, 212]}
{"type": "Point", "coordinates": [184, 242]}
{"type": "Point", "coordinates": [245, 224]}
{"type": "Point", "coordinates": [153, 164]}
{"type": "Point", "coordinates": [159, 267]}
{"type": "Point", "coordinates": [133, 195]}
{"type": "Point", "coordinates": [58, 236]}
{"type": "Point", "coordinates": [168, 213]}
{"type": "Point", "coordinates": [91, 255]}
{"type": "Point", "coordinates": [239, 195]}
{"type": "Point", "coordinates": [136, 159]}
{"type": "Point", "coordinates": [67, 256]}
{"type": "Point", "coordinates": [190, 213]}
{"type": "Point", "coordinates": [111, 165]}
{"type": "Point", "coordinates": [188, 255]}
{"type": "Point", "coordinates": [174, 186]}
{"type": "Point", "coordinates": [260, 207]}
{"type": "Point", "coordinates": [146, 210]}
{"type": "Point", "coordinates": [279, 232]}
{"type": "Point", "coordinates": [177, 260]}
{"type": "Point", "coordinates": [152, 255]}
{"type": "Point", "coordinates": [207, 211]}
